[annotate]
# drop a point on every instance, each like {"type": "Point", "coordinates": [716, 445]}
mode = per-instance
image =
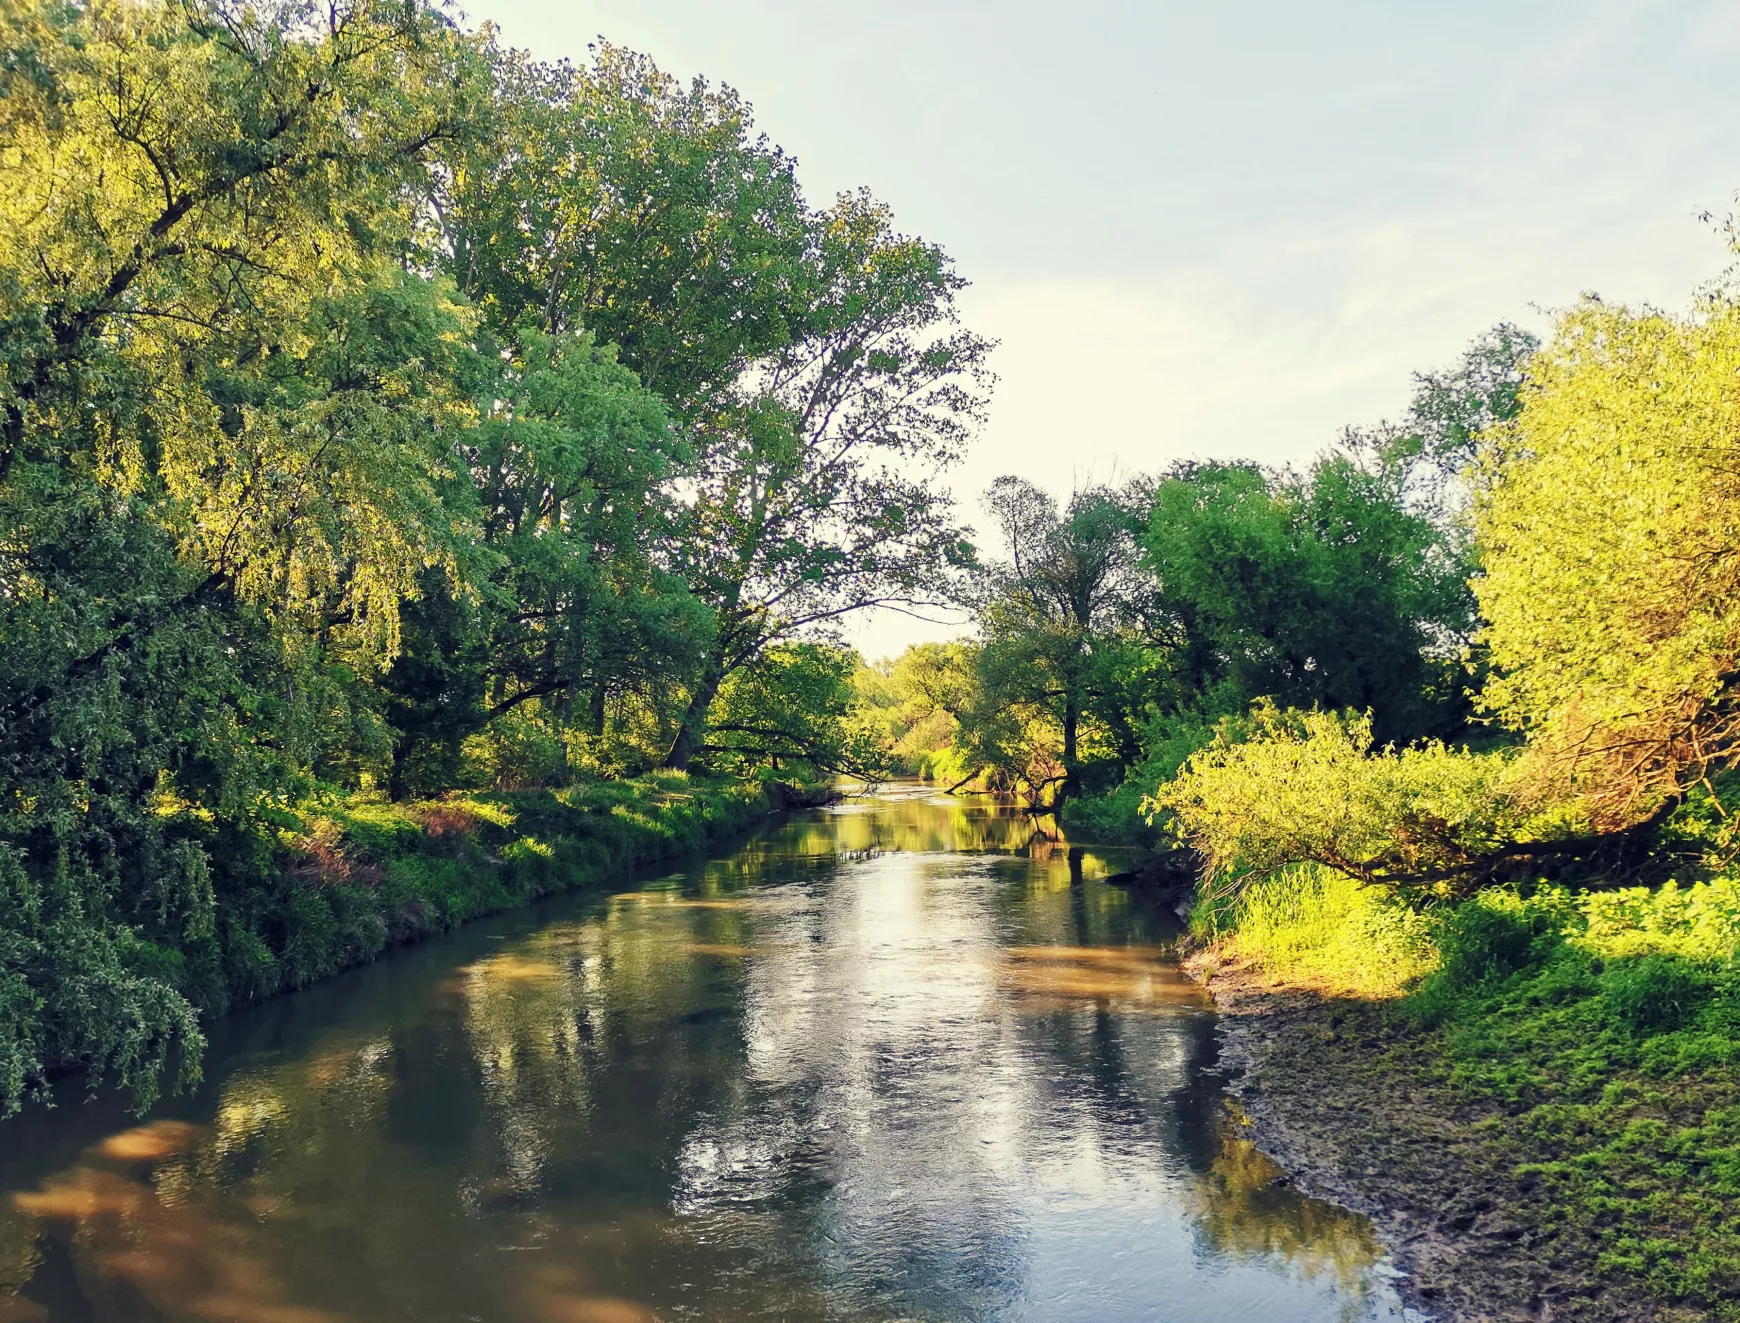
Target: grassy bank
{"type": "Point", "coordinates": [1551, 1080]}
{"type": "Point", "coordinates": [310, 893]}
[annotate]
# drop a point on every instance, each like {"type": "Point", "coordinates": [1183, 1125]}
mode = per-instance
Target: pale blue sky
{"type": "Point", "coordinates": [1229, 229]}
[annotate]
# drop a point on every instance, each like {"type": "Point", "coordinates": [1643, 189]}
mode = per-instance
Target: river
{"type": "Point", "coordinates": [892, 1060]}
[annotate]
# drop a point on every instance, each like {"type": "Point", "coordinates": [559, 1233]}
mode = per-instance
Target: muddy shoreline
{"type": "Point", "coordinates": [1353, 1103]}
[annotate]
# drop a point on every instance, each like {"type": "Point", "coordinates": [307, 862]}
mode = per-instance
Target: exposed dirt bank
{"type": "Point", "coordinates": [1354, 1103]}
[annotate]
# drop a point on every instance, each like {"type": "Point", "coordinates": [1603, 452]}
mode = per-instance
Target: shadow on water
{"type": "Point", "coordinates": [898, 1059]}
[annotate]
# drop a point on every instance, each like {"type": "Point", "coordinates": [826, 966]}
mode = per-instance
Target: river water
{"type": "Point", "coordinates": [893, 1060]}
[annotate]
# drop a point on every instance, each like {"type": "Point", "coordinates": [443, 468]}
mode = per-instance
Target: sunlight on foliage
{"type": "Point", "coordinates": [1609, 531]}
{"type": "Point", "coordinates": [1308, 787]}
{"type": "Point", "coordinates": [1316, 927]}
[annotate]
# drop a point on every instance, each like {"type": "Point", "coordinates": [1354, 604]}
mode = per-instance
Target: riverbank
{"type": "Point", "coordinates": [1562, 1200]}
{"type": "Point", "coordinates": [300, 895]}
{"type": "Point", "coordinates": [359, 876]}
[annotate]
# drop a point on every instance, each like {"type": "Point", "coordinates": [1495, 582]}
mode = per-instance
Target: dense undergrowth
{"type": "Point", "coordinates": [334, 884]}
{"type": "Point", "coordinates": [1597, 1032]}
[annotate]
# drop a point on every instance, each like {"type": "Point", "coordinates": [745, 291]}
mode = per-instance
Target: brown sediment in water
{"type": "Point", "coordinates": [1133, 974]}
{"type": "Point", "coordinates": [1355, 1106]}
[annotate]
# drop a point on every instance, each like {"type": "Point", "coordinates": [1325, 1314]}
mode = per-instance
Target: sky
{"type": "Point", "coordinates": [1228, 229]}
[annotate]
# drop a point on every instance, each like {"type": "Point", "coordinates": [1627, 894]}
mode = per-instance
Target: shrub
{"type": "Point", "coordinates": [1307, 787]}
{"type": "Point", "coordinates": [1487, 939]}
{"type": "Point", "coordinates": [1654, 993]}
{"type": "Point", "coordinates": [1312, 925]}
{"type": "Point", "coordinates": [1700, 922]}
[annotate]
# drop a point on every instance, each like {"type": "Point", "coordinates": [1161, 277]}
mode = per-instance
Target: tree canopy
{"type": "Point", "coordinates": [383, 412]}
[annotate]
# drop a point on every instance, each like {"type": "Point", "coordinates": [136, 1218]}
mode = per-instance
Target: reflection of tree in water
{"type": "Point", "coordinates": [783, 1084]}
{"type": "Point", "coordinates": [1244, 1209]}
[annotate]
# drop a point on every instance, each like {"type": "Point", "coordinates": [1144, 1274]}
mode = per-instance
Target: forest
{"type": "Point", "coordinates": [430, 477]}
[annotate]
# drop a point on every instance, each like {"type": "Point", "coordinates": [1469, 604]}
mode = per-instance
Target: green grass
{"type": "Point", "coordinates": [1607, 1027]}
{"type": "Point", "coordinates": [1314, 927]}
{"type": "Point", "coordinates": [1597, 1033]}
{"type": "Point", "coordinates": [340, 884]}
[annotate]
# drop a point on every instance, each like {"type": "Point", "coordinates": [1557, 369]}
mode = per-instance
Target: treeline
{"type": "Point", "coordinates": [1127, 626]}
{"type": "Point", "coordinates": [384, 412]}
{"type": "Point", "coordinates": [1492, 640]}
{"type": "Point", "coordinates": [1442, 733]}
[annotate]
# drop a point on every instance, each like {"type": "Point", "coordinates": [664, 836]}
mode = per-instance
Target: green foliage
{"type": "Point", "coordinates": [911, 708]}
{"type": "Point", "coordinates": [1169, 741]}
{"type": "Point", "coordinates": [794, 711]}
{"type": "Point", "coordinates": [1699, 922]}
{"type": "Point", "coordinates": [1654, 994]}
{"type": "Point", "coordinates": [1321, 591]}
{"type": "Point", "coordinates": [1608, 520]}
{"type": "Point", "coordinates": [381, 410]}
{"type": "Point", "coordinates": [814, 492]}
{"type": "Point", "coordinates": [1288, 788]}
{"type": "Point", "coordinates": [645, 211]}
{"type": "Point", "coordinates": [225, 414]}
{"type": "Point", "coordinates": [1604, 1026]}
{"type": "Point", "coordinates": [1058, 682]}
{"type": "Point", "coordinates": [1319, 928]}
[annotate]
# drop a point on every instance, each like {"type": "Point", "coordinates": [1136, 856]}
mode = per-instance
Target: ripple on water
{"type": "Point", "coordinates": [902, 1059]}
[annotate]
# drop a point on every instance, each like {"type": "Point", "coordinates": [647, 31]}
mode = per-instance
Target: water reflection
{"type": "Point", "coordinates": [895, 1060]}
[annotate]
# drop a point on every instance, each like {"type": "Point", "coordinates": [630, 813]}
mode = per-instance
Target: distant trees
{"type": "Point", "coordinates": [1323, 590]}
{"type": "Point", "coordinates": [1122, 627]}
{"type": "Point", "coordinates": [1055, 618]}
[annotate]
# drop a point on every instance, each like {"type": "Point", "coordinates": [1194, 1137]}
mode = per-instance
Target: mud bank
{"type": "Point", "coordinates": [1355, 1104]}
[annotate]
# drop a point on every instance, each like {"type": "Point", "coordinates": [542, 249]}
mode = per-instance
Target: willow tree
{"type": "Point", "coordinates": [223, 417]}
{"type": "Point", "coordinates": [1608, 523]}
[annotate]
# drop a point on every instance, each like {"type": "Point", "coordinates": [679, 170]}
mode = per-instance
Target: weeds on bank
{"type": "Point", "coordinates": [1601, 1030]}
{"type": "Point", "coordinates": [1608, 1027]}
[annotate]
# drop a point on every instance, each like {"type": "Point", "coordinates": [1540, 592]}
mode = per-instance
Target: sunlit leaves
{"type": "Point", "coordinates": [1609, 531]}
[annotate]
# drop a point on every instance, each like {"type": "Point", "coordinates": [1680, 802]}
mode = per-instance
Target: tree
{"type": "Point", "coordinates": [812, 359]}
{"type": "Point", "coordinates": [1323, 590]}
{"type": "Point", "coordinates": [563, 603]}
{"type": "Point", "coordinates": [613, 199]}
{"type": "Point", "coordinates": [813, 490]}
{"type": "Point", "coordinates": [1057, 619]}
{"type": "Point", "coordinates": [224, 413]}
{"type": "Point", "coordinates": [1608, 522]}
{"type": "Point", "coordinates": [794, 713]}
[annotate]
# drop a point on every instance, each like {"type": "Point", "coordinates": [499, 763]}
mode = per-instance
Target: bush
{"type": "Point", "coordinates": [1123, 813]}
{"type": "Point", "coordinates": [1312, 925]}
{"type": "Point", "coordinates": [1487, 939]}
{"type": "Point", "coordinates": [1655, 994]}
{"type": "Point", "coordinates": [1700, 922]}
{"type": "Point", "coordinates": [1307, 787]}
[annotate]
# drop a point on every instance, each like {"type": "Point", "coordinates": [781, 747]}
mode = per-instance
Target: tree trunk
{"type": "Point", "coordinates": [1071, 722]}
{"type": "Point", "coordinates": [693, 732]}
{"type": "Point", "coordinates": [397, 789]}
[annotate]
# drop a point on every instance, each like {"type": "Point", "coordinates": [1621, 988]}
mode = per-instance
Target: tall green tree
{"type": "Point", "coordinates": [609, 197]}
{"type": "Point", "coordinates": [811, 359]}
{"type": "Point", "coordinates": [224, 414]}
{"type": "Point", "coordinates": [1318, 590]}
{"type": "Point", "coordinates": [814, 492]}
{"type": "Point", "coordinates": [1608, 523]}
{"type": "Point", "coordinates": [1060, 619]}
{"type": "Point", "coordinates": [564, 606]}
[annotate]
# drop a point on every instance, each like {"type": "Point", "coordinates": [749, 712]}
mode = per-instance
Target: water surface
{"type": "Point", "coordinates": [896, 1060]}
